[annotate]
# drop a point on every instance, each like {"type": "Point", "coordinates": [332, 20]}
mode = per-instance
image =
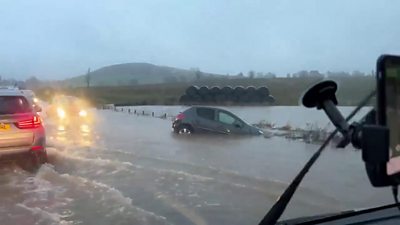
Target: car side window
{"type": "Point", "coordinates": [226, 118]}
{"type": "Point", "coordinates": [205, 113]}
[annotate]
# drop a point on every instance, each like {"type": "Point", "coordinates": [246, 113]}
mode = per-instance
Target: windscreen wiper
{"type": "Point", "coordinates": [343, 215]}
{"type": "Point", "coordinates": [279, 207]}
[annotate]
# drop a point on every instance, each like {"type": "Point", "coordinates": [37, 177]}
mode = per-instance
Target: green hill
{"type": "Point", "coordinates": [135, 74]}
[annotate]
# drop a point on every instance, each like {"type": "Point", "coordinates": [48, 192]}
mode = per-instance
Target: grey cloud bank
{"type": "Point", "coordinates": [59, 39]}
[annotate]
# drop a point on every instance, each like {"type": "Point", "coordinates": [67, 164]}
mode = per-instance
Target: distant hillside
{"type": "Point", "coordinates": [135, 74]}
{"type": "Point", "coordinates": [287, 91]}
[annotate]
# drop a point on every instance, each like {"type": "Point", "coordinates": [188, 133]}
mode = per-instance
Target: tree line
{"type": "Point", "coordinates": [306, 73]}
{"type": "Point", "coordinates": [199, 75]}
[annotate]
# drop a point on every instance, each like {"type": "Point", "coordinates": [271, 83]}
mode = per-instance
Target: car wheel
{"type": "Point", "coordinates": [41, 157]}
{"type": "Point", "coordinates": [184, 129]}
{"type": "Point", "coordinates": [34, 161]}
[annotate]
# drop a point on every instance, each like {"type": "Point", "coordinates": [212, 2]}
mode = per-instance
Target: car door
{"type": "Point", "coordinates": [229, 123]}
{"type": "Point", "coordinates": [205, 119]}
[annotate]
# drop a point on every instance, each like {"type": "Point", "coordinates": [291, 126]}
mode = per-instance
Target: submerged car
{"type": "Point", "coordinates": [210, 119]}
{"type": "Point", "coordinates": [68, 109]}
{"type": "Point", "coordinates": [22, 136]}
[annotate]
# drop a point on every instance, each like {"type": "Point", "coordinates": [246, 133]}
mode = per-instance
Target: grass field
{"type": "Point", "coordinates": [287, 91]}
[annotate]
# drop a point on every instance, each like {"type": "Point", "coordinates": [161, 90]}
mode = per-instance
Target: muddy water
{"type": "Point", "coordinates": [127, 169]}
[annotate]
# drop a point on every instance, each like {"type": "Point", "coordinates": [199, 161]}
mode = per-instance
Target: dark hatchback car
{"type": "Point", "coordinates": [209, 119]}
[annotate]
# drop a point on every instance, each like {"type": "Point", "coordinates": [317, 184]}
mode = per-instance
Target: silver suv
{"type": "Point", "coordinates": [210, 119]}
{"type": "Point", "coordinates": [22, 136]}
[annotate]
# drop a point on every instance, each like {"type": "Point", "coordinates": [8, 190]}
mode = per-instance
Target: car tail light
{"type": "Point", "coordinates": [37, 148]}
{"type": "Point", "coordinates": [34, 122]}
{"type": "Point", "coordinates": [180, 116]}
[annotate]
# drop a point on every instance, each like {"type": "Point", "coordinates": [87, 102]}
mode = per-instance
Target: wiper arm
{"type": "Point", "coordinates": [279, 207]}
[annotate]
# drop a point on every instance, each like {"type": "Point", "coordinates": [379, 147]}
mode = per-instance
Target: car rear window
{"type": "Point", "coordinates": [14, 105]}
{"type": "Point", "coordinates": [205, 113]}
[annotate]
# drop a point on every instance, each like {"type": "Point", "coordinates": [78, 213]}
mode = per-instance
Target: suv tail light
{"type": "Point", "coordinates": [37, 148]}
{"type": "Point", "coordinates": [180, 116]}
{"type": "Point", "coordinates": [34, 122]}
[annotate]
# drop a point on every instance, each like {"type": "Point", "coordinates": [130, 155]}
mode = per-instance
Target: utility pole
{"type": "Point", "coordinates": [88, 78]}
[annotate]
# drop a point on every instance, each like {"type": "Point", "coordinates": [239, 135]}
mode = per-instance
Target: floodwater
{"type": "Point", "coordinates": [130, 169]}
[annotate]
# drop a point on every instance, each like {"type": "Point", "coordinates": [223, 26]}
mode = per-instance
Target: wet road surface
{"type": "Point", "coordinates": [127, 169]}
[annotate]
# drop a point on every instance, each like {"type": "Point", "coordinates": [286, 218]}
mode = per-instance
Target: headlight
{"type": "Point", "coordinates": [35, 100]}
{"type": "Point", "coordinates": [82, 113]}
{"type": "Point", "coordinates": [85, 128]}
{"type": "Point", "coordinates": [61, 113]}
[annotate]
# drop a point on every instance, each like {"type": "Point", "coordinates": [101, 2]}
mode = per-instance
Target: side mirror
{"type": "Point", "coordinates": [37, 108]}
{"type": "Point", "coordinates": [237, 124]}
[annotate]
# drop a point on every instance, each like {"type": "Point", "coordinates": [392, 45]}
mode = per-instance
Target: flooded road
{"type": "Point", "coordinates": [128, 169]}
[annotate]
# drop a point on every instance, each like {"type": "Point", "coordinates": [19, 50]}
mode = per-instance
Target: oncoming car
{"type": "Point", "coordinates": [22, 136]}
{"type": "Point", "coordinates": [67, 109]}
{"type": "Point", "coordinates": [210, 119]}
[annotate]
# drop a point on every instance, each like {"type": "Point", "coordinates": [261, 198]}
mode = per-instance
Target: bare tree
{"type": "Point", "coordinates": [260, 74]}
{"type": "Point", "coordinates": [270, 75]}
{"type": "Point", "coordinates": [199, 75]}
{"type": "Point", "coordinates": [357, 73]}
{"type": "Point", "coordinates": [251, 74]}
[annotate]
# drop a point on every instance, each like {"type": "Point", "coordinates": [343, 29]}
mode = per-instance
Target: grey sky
{"type": "Point", "coordinates": [57, 39]}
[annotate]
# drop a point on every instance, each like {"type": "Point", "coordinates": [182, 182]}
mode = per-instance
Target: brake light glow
{"type": "Point", "coordinates": [37, 148]}
{"type": "Point", "coordinates": [180, 116]}
{"type": "Point", "coordinates": [34, 122]}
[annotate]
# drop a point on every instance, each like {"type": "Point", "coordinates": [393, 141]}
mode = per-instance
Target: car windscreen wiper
{"type": "Point", "coordinates": [342, 215]}
{"type": "Point", "coordinates": [279, 207]}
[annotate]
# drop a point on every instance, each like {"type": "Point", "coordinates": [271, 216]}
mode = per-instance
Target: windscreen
{"type": "Point", "coordinates": [13, 105]}
{"type": "Point", "coordinates": [112, 76]}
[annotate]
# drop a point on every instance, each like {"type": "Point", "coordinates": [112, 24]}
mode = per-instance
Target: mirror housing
{"type": "Point", "coordinates": [237, 124]}
{"type": "Point", "coordinates": [37, 108]}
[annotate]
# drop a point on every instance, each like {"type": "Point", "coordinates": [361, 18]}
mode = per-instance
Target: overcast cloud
{"type": "Point", "coordinates": [58, 39]}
